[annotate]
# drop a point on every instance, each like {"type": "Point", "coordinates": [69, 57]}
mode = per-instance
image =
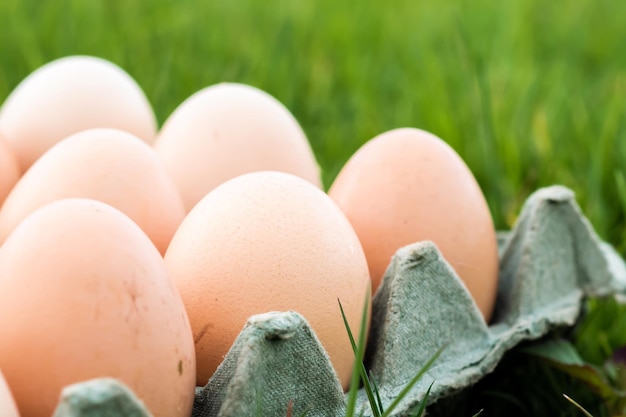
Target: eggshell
{"type": "Point", "coordinates": [9, 170]}
{"type": "Point", "coordinates": [107, 165]}
{"type": "Point", "coordinates": [84, 294]}
{"type": "Point", "coordinates": [227, 130]}
{"type": "Point", "coordinates": [8, 408]}
{"type": "Point", "coordinates": [407, 185]}
{"type": "Point", "coordinates": [268, 241]}
{"type": "Point", "coordinates": [68, 95]}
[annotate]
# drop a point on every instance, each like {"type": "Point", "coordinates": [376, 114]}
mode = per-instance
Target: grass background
{"type": "Point", "coordinates": [530, 93]}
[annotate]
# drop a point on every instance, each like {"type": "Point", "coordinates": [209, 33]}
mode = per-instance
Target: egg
{"type": "Point", "coordinates": [68, 95]}
{"type": "Point", "coordinates": [408, 185]}
{"type": "Point", "coordinates": [107, 165]}
{"type": "Point", "coordinates": [227, 130]}
{"type": "Point", "coordinates": [8, 408]}
{"type": "Point", "coordinates": [84, 293]}
{"type": "Point", "coordinates": [9, 170]}
{"type": "Point", "coordinates": [268, 241]}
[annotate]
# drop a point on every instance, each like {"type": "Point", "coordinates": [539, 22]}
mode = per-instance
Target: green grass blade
{"type": "Point", "coordinates": [359, 369]}
{"type": "Point", "coordinates": [259, 404]}
{"type": "Point", "coordinates": [580, 407]}
{"type": "Point", "coordinates": [378, 399]}
{"type": "Point", "coordinates": [411, 383]}
{"type": "Point", "coordinates": [351, 402]}
{"type": "Point", "coordinates": [479, 412]}
{"type": "Point", "coordinates": [422, 406]}
{"type": "Point", "coordinates": [348, 330]}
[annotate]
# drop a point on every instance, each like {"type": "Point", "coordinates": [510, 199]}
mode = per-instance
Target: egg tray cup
{"type": "Point", "coordinates": [549, 262]}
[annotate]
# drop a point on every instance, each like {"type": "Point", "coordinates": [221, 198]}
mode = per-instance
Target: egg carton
{"type": "Point", "coordinates": [549, 262]}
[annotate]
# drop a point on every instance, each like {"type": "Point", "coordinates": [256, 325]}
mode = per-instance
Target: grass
{"type": "Point", "coordinates": [581, 408]}
{"type": "Point", "coordinates": [360, 374]}
{"type": "Point", "coordinates": [530, 93]}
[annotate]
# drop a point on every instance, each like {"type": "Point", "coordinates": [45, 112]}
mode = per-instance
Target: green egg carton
{"type": "Point", "coordinates": [549, 262]}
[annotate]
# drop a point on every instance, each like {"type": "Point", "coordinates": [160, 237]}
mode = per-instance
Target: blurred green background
{"type": "Point", "coordinates": [529, 92]}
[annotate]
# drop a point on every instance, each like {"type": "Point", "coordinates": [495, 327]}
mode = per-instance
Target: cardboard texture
{"type": "Point", "coordinates": [275, 365]}
{"type": "Point", "coordinates": [549, 263]}
{"type": "Point", "coordinates": [102, 397]}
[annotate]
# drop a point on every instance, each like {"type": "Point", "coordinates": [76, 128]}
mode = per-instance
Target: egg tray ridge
{"type": "Point", "coordinates": [550, 261]}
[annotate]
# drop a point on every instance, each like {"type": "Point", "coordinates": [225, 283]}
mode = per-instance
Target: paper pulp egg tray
{"type": "Point", "coordinates": [549, 262]}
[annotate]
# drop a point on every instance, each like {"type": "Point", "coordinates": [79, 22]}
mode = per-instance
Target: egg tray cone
{"type": "Point", "coordinates": [549, 262]}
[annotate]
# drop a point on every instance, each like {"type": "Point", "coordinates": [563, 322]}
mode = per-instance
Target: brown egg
{"type": "Point", "coordinates": [408, 185]}
{"type": "Point", "coordinates": [227, 130]}
{"type": "Point", "coordinates": [8, 408]}
{"type": "Point", "coordinates": [68, 95]}
{"type": "Point", "coordinates": [9, 170]}
{"type": "Point", "coordinates": [84, 294]}
{"type": "Point", "coordinates": [268, 241]}
{"type": "Point", "coordinates": [107, 165]}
